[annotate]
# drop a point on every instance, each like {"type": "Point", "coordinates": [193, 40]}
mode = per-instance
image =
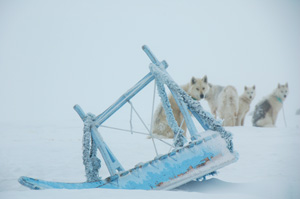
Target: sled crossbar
{"type": "Point", "coordinates": [113, 165]}
{"type": "Point", "coordinates": [131, 92]}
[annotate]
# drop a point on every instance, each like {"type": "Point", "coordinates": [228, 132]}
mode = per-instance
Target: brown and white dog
{"type": "Point", "coordinates": [196, 88]}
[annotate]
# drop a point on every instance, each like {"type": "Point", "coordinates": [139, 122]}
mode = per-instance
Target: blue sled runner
{"type": "Point", "coordinates": [192, 159]}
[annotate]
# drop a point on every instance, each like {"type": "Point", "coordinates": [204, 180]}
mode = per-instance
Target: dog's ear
{"type": "Point", "coordinates": [193, 80]}
{"type": "Point", "coordinates": [253, 87]}
{"type": "Point", "coordinates": [286, 85]}
{"type": "Point", "coordinates": [210, 85]}
{"type": "Point", "coordinates": [205, 79]}
{"type": "Point", "coordinates": [279, 85]}
{"type": "Point", "coordinates": [245, 88]}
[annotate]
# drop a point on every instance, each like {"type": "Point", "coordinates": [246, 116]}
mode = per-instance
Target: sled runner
{"type": "Point", "coordinates": [192, 159]}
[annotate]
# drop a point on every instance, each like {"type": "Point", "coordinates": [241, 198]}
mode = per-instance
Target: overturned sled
{"type": "Point", "coordinates": [202, 155]}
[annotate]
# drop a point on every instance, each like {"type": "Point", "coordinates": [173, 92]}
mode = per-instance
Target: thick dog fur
{"type": "Point", "coordinates": [244, 104]}
{"type": "Point", "coordinates": [212, 97]}
{"type": "Point", "coordinates": [228, 104]}
{"type": "Point", "coordinates": [197, 88]}
{"type": "Point", "coordinates": [266, 111]}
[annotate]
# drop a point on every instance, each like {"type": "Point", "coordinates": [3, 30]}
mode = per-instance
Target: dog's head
{"type": "Point", "coordinates": [198, 88]}
{"type": "Point", "coordinates": [282, 91]}
{"type": "Point", "coordinates": [250, 92]}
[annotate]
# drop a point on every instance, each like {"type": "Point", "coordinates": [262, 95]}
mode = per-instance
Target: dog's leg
{"type": "Point", "coordinates": [274, 118]}
{"type": "Point", "coordinates": [235, 119]}
{"type": "Point", "coordinates": [239, 119]}
{"type": "Point", "coordinates": [265, 122]}
{"type": "Point", "coordinates": [242, 122]}
{"type": "Point", "coordinates": [229, 120]}
{"type": "Point", "coordinates": [243, 119]}
{"type": "Point", "coordinates": [214, 112]}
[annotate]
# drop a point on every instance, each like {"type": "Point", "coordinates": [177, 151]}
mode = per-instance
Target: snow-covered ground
{"type": "Point", "coordinates": [268, 166]}
{"type": "Point", "coordinates": [55, 54]}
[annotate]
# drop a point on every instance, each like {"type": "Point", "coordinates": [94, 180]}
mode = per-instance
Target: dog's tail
{"type": "Point", "coordinates": [232, 97]}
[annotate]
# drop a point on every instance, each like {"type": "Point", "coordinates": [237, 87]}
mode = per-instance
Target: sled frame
{"type": "Point", "coordinates": [112, 163]}
{"type": "Point", "coordinates": [183, 152]}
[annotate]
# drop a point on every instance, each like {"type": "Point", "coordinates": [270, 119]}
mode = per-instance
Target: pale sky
{"type": "Point", "coordinates": [54, 54]}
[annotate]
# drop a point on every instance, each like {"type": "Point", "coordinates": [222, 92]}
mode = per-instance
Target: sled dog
{"type": "Point", "coordinates": [228, 104]}
{"type": "Point", "coordinates": [244, 104]}
{"type": "Point", "coordinates": [266, 111]}
{"type": "Point", "coordinates": [196, 88]}
{"type": "Point", "coordinates": [212, 97]}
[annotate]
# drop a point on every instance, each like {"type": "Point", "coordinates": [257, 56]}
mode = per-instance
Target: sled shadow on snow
{"type": "Point", "coordinates": [262, 189]}
{"type": "Point", "coordinates": [212, 185]}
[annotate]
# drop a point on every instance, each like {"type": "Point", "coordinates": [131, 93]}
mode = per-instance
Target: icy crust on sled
{"type": "Point", "coordinates": [196, 159]}
{"type": "Point", "coordinates": [205, 118]}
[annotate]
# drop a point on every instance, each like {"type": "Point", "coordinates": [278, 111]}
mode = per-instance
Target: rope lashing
{"type": "Point", "coordinates": [91, 162]}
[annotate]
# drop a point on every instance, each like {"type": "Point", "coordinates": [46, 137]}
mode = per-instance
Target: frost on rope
{"type": "Point", "coordinates": [164, 78]}
{"type": "Point", "coordinates": [91, 162]}
{"type": "Point", "coordinates": [179, 139]}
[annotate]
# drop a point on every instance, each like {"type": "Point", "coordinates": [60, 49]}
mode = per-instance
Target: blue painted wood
{"type": "Point", "coordinates": [131, 92]}
{"type": "Point", "coordinates": [153, 59]}
{"type": "Point", "coordinates": [80, 112]}
{"type": "Point", "coordinates": [37, 184]}
{"type": "Point", "coordinates": [123, 99]}
{"type": "Point", "coordinates": [162, 74]}
{"type": "Point", "coordinates": [187, 163]}
{"type": "Point", "coordinates": [112, 163]}
{"type": "Point", "coordinates": [150, 55]}
{"type": "Point", "coordinates": [200, 120]}
{"type": "Point", "coordinates": [183, 109]}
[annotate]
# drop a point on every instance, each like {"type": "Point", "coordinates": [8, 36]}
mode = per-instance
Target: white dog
{"type": "Point", "coordinates": [228, 104]}
{"type": "Point", "coordinates": [197, 89]}
{"type": "Point", "coordinates": [266, 111]}
{"type": "Point", "coordinates": [244, 104]}
{"type": "Point", "coordinates": [212, 97]}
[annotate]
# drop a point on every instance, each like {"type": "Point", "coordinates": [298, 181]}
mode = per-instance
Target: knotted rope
{"type": "Point", "coordinates": [91, 162]}
{"type": "Point", "coordinates": [193, 105]}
